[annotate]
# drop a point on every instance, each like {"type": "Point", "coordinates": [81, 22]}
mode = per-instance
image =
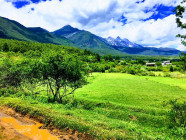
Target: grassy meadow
{"type": "Point", "coordinates": [112, 105]}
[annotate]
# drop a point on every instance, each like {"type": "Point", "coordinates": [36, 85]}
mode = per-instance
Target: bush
{"type": "Point", "coordinates": [132, 71]}
{"type": "Point", "coordinates": [167, 75]}
{"type": "Point", "coordinates": [151, 74]}
{"type": "Point", "coordinates": [113, 70]}
{"type": "Point", "coordinates": [171, 69]}
{"type": "Point", "coordinates": [177, 114]}
{"type": "Point", "coordinates": [6, 92]}
{"type": "Point", "coordinates": [151, 69]}
{"type": "Point", "coordinates": [143, 73]}
{"type": "Point", "coordinates": [160, 68]}
{"type": "Point", "coordinates": [177, 117]}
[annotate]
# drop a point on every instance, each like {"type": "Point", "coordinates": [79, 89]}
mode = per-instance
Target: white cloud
{"type": "Point", "coordinates": [181, 48]}
{"type": "Point", "coordinates": [101, 17]}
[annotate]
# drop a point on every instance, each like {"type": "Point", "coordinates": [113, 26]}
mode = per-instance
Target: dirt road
{"type": "Point", "coordinates": [7, 132]}
{"type": "Point", "coordinates": [14, 126]}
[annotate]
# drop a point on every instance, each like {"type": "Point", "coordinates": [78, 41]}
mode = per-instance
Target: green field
{"type": "Point", "coordinates": [112, 105]}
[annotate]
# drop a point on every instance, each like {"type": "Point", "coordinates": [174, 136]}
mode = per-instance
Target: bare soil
{"type": "Point", "coordinates": [8, 132]}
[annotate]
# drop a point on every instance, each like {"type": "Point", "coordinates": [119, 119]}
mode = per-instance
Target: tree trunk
{"type": "Point", "coordinates": [57, 94]}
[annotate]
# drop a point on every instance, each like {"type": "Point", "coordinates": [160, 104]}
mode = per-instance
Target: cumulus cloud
{"type": "Point", "coordinates": [102, 17]}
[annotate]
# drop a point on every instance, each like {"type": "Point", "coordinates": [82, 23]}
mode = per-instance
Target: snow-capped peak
{"type": "Point", "coordinates": [121, 42]}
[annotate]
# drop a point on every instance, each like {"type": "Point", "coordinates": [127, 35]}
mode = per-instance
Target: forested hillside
{"type": "Point", "coordinates": [13, 30]}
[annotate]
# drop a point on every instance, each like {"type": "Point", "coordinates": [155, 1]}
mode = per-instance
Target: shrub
{"type": "Point", "coordinates": [151, 68]}
{"type": "Point", "coordinates": [167, 75]}
{"type": "Point", "coordinates": [151, 74]}
{"type": "Point", "coordinates": [132, 70]}
{"type": "Point", "coordinates": [143, 73]}
{"type": "Point", "coordinates": [112, 70]}
{"type": "Point", "coordinates": [171, 69]}
{"type": "Point", "coordinates": [6, 92]}
{"type": "Point", "coordinates": [177, 116]}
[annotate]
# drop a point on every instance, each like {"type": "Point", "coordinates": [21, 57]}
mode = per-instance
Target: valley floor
{"type": "Point", "coordinates": [112, 105]}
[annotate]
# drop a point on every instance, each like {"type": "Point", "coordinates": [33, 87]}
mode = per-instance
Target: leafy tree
{"type": "Point", "coordinates": [171, 69]}
{"type": "Point", "coordinates": [87, 52]}
{"type": "Point", "coordinates": [183, 59]}
{"type": "Point", "coordinates": [105, 57]}
{"type": "Point", "coordinates": [141, 61]}
{"type": "Point", "coordinates": [180, 9]}
{"type": "Point", "coordinates": [15, 73]}
{"type": "Point", "coordinates": [9, 74]}
{"type": "Point", "coordinates": [5, 47]}
{"type": "Point", "coordinates": [98, 58]}
{"type": "Point", "coordinates": [110, 58]}
{"type": "Point", "coordinates": [158, 64]}
{"type": "Point", "coordinates": [117, 57]}
{"type": "Point", "coordinates": [63, 75]}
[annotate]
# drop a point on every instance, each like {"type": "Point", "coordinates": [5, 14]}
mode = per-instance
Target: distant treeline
{"type": "Point", "coordinates": [94, 61]}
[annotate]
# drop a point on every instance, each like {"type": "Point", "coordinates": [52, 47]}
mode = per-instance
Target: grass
{"type": "Point", "coordinates": [112, 105]}
{"type": "Point", "coordinates": [175, 74]}
{"type": "Point", "coordinates": [132, 90]}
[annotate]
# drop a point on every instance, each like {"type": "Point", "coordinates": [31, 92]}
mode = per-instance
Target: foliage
{"type": "Point", "coordinates": [177, 114]}
{"type": "Point", "coordinates": [57, 67]}
{"type": "Point", "coordinates": [117, 58]}
{"type": "Point", "coordinates": [14, 73]}
{"type": "Point", "coordinates": [180, 9]}
{"type": "Point", "coordinates": [108, 57]}
{"type": "Point", "coordinates": [141, 61]}
{"type": "Point", "coordinates": [171, 69]}
{"type": "Point", "coordinates": [63, 75]}
{"type": "Point", "coordinates": [183, 59]}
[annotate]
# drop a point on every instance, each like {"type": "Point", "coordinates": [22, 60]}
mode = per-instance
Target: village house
{"type": "Point", "coordinates": [164, 63]}
{"type": "Point", "coordinates": [151, 64]}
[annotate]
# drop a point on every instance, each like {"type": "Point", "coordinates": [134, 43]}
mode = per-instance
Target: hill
{"type": "Point", "coordinates": [86, 40]}
{"type": "Point", "coordinates": [70, 36]}
{"type": "Point", "coordinates": [13, 30]}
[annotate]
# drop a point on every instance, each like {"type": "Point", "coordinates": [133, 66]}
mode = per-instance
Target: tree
{"type": "Point", "coordinates": [98, 57]}
{"type": "Point", "coordinates": [110, 57]}
{"type": "Point", "coordinates": [141, 61]}
{"type": "Point", "coordinates": [180, 9]}
{"type": "Point", "coordinates": [15, 73]}
{"type": "Point", "coordinates": [183, 59]}
{"type": "Point", "coordinates": [105, 57]}
{"type": "Point", "coordinates": [117, 57]}
{"type": "Point", "coordinates": [171, 69]}
{"type": "Point", "coordinates": [63, 75]}
{"type": "Point", "coordinates": [5, 47]}
{"type": "Point", "coordinates": [87, 52]}
{"type": "Point", "coordinates": [158, 64]}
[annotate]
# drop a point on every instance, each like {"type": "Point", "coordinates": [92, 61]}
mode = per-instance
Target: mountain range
{"type": "Point", "coordinates": [70, 36]}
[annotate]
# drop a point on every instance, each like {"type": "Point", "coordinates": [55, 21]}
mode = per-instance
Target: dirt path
{"type": "Point", "coordinates": [7, 132]}
{"type": "Point", "coordinates": [14, 126]}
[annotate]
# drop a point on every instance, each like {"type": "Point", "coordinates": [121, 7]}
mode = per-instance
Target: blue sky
{"type": "Point", "coordinates": [147, 22]}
